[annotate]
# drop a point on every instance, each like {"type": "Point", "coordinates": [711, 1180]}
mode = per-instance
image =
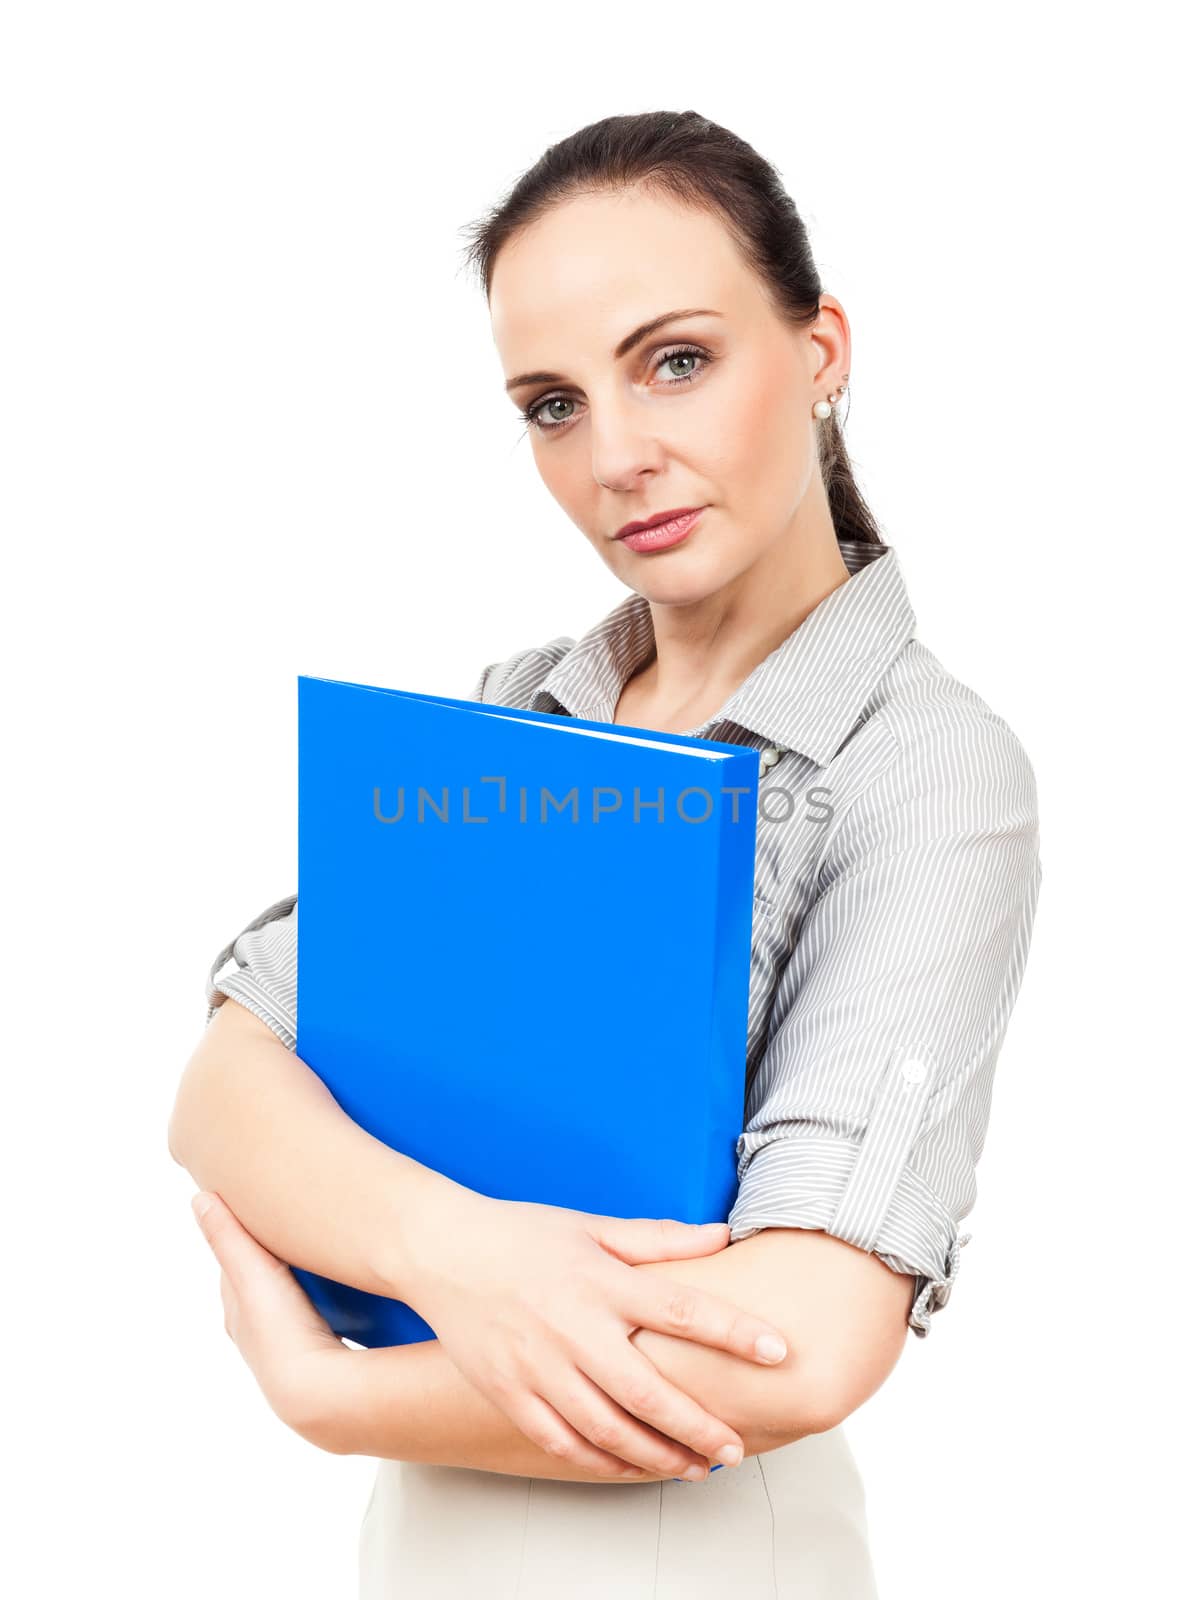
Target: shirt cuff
{"type": "Point", "coordinates": [240, 986]}
{"type": "Point", "coordinates": [798, 1181]}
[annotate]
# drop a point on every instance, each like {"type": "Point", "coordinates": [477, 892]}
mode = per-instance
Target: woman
{"type": "Point", "coordinates": [663, 332]}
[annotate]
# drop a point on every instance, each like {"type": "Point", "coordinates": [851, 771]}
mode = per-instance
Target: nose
{"type": "Point", "coordinates": [624, 450]}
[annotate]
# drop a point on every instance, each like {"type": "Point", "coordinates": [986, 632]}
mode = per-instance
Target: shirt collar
{"type": "Point", "coordinates": [806, 696]}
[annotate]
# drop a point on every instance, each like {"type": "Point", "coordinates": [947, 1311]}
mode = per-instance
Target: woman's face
{"type": "Point", "coordinates": [711, 410]}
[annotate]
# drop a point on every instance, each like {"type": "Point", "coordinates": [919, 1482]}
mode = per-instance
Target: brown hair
{"type": "Point", "coordinates": [685, 156]}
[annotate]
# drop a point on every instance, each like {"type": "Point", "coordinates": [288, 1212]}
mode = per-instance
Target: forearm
{"type": "Point", "coordinates": [411, 1403]}
{"type": "Point", "coordinates": [255, 1124]}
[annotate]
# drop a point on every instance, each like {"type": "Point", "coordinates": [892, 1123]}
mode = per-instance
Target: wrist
{"type": "Point", "coordinates": [433, 1214]}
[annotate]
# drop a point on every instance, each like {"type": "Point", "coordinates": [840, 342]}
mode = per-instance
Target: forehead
{"type": "Point", "coordinates": [595, 266]}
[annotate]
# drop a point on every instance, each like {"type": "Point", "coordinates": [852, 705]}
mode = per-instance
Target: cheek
{"type": "Point", "coordinates": [565, 472]}
{"type": "Point", "coordinates": [760, 444]}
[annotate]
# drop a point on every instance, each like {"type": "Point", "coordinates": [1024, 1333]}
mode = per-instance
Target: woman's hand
{"type": "Point", "coordinates": [297, 1359]}
{"type": "Point", "coordinates": [535, 1305]}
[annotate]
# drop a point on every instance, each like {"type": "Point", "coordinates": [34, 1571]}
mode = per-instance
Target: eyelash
{"type": "Point", "coordinates": [530, 412]}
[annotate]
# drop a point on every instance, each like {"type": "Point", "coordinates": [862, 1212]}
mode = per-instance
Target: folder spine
{"type": "Point", "coordinates": [731, 974]}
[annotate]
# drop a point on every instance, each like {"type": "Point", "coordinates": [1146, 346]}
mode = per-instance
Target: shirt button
{"type": "Point", "coordinates": [913, 1071]}
{"type": "Point", "coordinates": [767, 758]}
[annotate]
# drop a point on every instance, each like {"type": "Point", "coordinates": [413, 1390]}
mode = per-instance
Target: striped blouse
{"type": "Point", "coordinates": [896, 877]}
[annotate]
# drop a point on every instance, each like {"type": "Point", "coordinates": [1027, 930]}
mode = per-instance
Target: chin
{"type": "Point", "coordinates": [680, 588]}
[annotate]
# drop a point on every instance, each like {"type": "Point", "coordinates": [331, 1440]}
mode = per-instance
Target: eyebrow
{"type": "Point", "coordinates": [622, 349]}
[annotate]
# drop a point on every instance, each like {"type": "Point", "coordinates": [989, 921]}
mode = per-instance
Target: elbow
{"type": "Point", "coordinates": [815, 1405]}
{"type": "Point", "coordinates": [819, 1396]}
{"type": "Point", "coordinates": [197, 1103]}
{"type": "Point", "coordinates": [175, 1140]}
{"type": "Point", "coordinates": [190, 1127]}
{"type": "Point", "coordinates": [187, 1114]}
{"type": "Point", "coordinates": [831, 1390]}
{"type": "Point", "coordinates": [178, 1144]}
{"type": "Point", "coordinates": [784, 1405]}
{"type": "Point", "coordinates": [826, 1402]}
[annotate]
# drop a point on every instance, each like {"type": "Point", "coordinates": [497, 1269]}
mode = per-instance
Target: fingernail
{"type": "Point", "coordinates": [770, 1348]}
{"type": "Point", "coordinates": [730, 1455]}
{"type": "Point", "coordinates": [200, 1203]}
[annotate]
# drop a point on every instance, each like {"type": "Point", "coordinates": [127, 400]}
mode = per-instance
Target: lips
{"type": "Point", "coordinates": [662, 535]}
{"type": "Point", "coordinates": [654, 522]}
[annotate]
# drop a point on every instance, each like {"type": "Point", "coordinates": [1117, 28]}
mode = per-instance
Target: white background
{"type": "Point", "coordinates": [253, 426]}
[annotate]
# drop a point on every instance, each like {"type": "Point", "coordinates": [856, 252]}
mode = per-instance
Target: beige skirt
{"type": "Point", "coordinates": [791, 1522]}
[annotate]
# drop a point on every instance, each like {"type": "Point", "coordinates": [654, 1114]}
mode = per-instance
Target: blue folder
{"type": "Point", "coordinates": [523, 952]}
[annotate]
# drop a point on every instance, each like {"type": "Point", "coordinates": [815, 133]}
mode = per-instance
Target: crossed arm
{"type": "Point", "coordinates": [843, 1312]}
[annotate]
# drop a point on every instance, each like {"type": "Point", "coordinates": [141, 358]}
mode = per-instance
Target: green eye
{"type": "Point", "coordinates": [680, 352]}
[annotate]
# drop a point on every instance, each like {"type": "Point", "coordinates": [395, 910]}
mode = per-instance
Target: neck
{"type": "Point", "coordinates": [706, 649]}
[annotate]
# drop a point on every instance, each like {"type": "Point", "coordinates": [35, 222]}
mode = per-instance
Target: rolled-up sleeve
{"type": "Point", "coordinates": [867, 1115]}
{"type": "Point", "coordinates": [264, 977]}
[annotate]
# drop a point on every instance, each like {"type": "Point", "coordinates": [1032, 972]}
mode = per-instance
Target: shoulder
{"type": "Point", "coordinates": [946, 748]}
{"type": "Point", "coordinates": [514, 680]}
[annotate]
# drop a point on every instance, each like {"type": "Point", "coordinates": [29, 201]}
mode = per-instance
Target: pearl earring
{"type": "Point", "coordinates": [824, 408]}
